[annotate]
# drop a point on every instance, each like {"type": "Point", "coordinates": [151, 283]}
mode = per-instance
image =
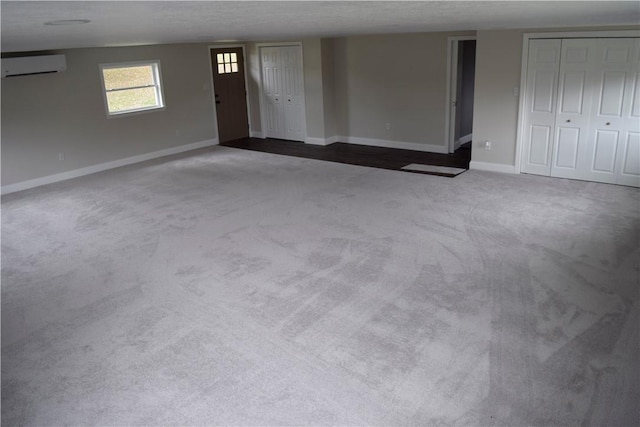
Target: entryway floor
{"type": "Point", "coordinates": [361, 155]}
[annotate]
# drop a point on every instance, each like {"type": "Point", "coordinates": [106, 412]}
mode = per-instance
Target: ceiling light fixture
{"type": "Point", "coordinates": [68, 22]}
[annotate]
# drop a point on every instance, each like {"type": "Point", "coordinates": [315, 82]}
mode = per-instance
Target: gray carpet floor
{"type": "Point", "coordinates": [231, 287]}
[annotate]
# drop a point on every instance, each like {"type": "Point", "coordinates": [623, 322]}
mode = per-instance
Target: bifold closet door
{"type": "Point", "coordinates": [540, 109]}
{"type": "Point", "coordinates": [575, 86]}
{"type": "Point", "coordinates": [582, 114]}
{"type": "Point", "coordinates": [283, 92]}
{"type": "Point", "coordinates": [272, 91]}
{"type": "Point", "coordinates": [613, 149]}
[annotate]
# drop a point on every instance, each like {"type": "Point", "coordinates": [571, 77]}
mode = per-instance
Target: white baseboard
{"type": "Point", "coordinates": [63, 176]}
{"type": "Point", "coordinates": [416, 146]}
{"type": "Point", "coordinates": [492, 167]}
{"type": "Point", "coordinates": [321, 141]}
{"type": "Point", "coordinates": [466, 138]}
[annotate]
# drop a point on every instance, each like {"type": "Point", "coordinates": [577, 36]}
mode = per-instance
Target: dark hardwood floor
{"type": "Point", "coordinates": [361, 155]}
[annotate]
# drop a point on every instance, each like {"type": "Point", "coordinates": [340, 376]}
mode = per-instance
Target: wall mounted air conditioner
{"type": "Point", "coordinates": [29, 65]}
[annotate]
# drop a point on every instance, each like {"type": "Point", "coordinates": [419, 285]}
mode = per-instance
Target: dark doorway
{"type": "Point", "coordinates": [465, 92]}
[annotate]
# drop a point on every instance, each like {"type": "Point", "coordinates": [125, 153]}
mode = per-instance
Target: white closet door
{"type": "Point", "coordinates": [628, 170]}
{"type": "Point", "coordinates": [540, 109]}
{"type": "Point", "coordinates": [283, 92]}
{"type": "Point", "coordinates": [272, 92]}
{"type": "Point", "coordinates": [574, 109]}
{"type": "Point", "coordinates": [293, 91]}
{"type": "Point", "coordinates": [584, 121]}
{"type": "Point", "coordinates": [613, 154]}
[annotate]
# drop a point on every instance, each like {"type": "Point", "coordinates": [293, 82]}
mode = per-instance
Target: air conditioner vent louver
{"type": "Point", "coordinates": [30, 65]}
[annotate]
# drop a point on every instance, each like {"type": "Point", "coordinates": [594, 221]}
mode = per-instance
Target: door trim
{"type": "Point", "coordinates": [213, 89]}
{"type": "Point", "coordinates": [263, 120]}
{"type": "Point", "coordinates": [452, 88]}
{"type": "Point", "coordinates": [525, 63]}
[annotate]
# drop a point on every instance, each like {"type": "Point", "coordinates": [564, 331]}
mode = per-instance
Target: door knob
{"type": "Point", "coordinates": [608, 123]}
{"type": "Point", "coordinates": [568, 120]}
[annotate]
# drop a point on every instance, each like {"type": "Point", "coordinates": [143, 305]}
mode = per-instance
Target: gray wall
{"type": "Point", "coordinates": [328, 88]}
{"type": "Point", "coordinates": [395, 79]}
{"type": "Point", "coordinates": [44, 115]}
{"type": "Point", "coordinates": [313, 87]}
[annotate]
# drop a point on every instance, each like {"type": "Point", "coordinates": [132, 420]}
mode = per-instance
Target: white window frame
{"type": "Point", "coordinates": [157, 76]}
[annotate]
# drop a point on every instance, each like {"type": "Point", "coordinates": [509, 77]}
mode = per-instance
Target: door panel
{"type": "Point", "coordinates": [612, 117]}
{"type": "Point", "coordinates": [628, 168]}
{"type": "Point", "coordinates": [540, 144]}
{"type": "Point", "coordinates": [606, 146]}
{"type": "Point", "coordinates": [612, 87]}
{"type": "Point", "coordinates": [293, 91]}
{"type": "Point", "coordinates": [572, 119]}
{"type": "Point", "coordinates": [540, 115]}
{"type": "Point", "coordinates": [635, 102]}
{"type": "Point", "coordinates": [567, 148]}
{"type": "Point", "coordinates": [544, 90]}
{"type": "Point", "coordinates": [230, 93]}
{"type": "Point", "coordinates": [572, 101]}
{"type": "Point", "coordinates": [631, 164]}
{"type": "Point", "coordinates": [272, 92]}
{"type": "Point", "coordinates": [283, 92]}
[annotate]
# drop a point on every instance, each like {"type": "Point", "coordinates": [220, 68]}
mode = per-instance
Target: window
{"type": "Point", "coordinates": [131, 87]}
{"type": "Point", "coordinates": [227, 63]}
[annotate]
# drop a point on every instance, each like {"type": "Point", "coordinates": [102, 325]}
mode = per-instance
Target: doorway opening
{"type": "Point", "coordinates": [460, 92]}
{"type": "Point", "coordinates": [230, 93]}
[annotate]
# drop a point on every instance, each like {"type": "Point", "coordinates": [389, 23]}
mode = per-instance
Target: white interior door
{"type": "Point", "coordinates": [272, 92]}
{"type": "Point", "coordinates": [293, 88]}
{"type": "Point", "coordinates": [540, 108]}
{"type": "Point", "coordinates": [613, 154]}
{"type": "Point", "coordinates": [574, 109]}
{"type": "Point", "coordinates": [283, 92]}
{"type": "Point", "coordinates": [628, 170]}
{"type": "Point", "coordinates": [582, 110]}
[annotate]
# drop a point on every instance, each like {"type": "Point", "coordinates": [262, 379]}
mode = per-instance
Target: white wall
{"type": "Point", "coordinates": [44, 115]}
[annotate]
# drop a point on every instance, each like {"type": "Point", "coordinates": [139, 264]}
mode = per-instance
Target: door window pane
{"type": "Point", "coordinates": [227, 62]}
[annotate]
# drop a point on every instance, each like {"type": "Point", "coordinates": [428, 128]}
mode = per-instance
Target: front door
{"type": "Point", "coordinates": [230, 93]}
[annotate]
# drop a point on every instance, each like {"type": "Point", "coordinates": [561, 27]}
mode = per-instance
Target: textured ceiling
{"type": "Point", "coordinates": [118, 23]}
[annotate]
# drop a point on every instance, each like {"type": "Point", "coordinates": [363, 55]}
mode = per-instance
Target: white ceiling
{"type": "Point", "coordinates": [120, 23]}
